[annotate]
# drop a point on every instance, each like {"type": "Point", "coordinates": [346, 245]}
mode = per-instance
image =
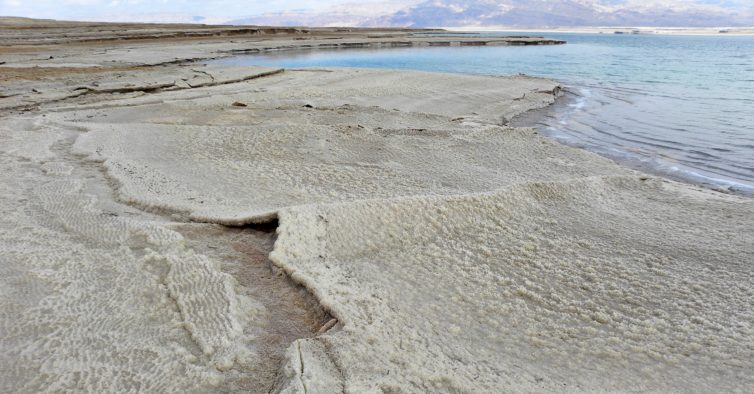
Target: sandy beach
{"type": "Point", "coordinates": [174, 226]}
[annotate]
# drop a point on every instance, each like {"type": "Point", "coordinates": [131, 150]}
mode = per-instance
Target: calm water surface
{"type": "Point", "coordinates": [680, 106]}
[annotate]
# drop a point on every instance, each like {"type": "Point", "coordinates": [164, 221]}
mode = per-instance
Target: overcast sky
{"type": "Point", "coordinates": [111, 9]}
{"type": "Point", "coordinates": [219, 11]}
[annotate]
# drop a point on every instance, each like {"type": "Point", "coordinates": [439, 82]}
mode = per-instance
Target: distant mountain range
{"type": "Point", "coordinates": [521, 13]}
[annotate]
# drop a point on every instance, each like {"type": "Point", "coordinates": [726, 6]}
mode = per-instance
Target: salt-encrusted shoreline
{"type": "Point", "coordinates": [447, 251]}
{"type": "Point", "coordinates": [48, 62]}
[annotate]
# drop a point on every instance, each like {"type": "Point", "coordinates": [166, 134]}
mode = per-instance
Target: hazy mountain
{"type": "Point", "coordinates": [523, 13]}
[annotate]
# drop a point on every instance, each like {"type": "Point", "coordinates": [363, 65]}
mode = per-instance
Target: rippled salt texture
{"type": "Point", "coordinates": [599, 284]}
{"type": "Point", "coordinates": [93, 301]}
{"type": "Point", "coordinates": [297, 142]}
{"type": "Point", "coordinates": [674, 105]}
{"type": "Point", "coordinates": [567, 272]}
{"type": "Point", "coordinates": [457, 255]}
{"type": "Point", "coordinates": [102, 297]}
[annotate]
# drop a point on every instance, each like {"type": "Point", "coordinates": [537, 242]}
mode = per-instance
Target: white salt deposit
{"type": "Point", "coordinates": [97, 302]}
{"type": "Point", "coordinates": [600, 284]}
{"type": "Point", "coordinates": [302, 143]}
{"type": "Point", "coordinates": [458, 255]}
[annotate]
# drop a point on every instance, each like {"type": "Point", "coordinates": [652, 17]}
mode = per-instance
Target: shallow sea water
{"type": "Point", "coordinates": [679, 106]}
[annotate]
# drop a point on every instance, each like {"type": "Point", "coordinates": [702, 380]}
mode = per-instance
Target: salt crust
{"type": "Point", "coordinates": [530, 289]}
{"type": "Point", "coordinates": [97, 302]}
{"type": "Point", "coordinates": [458, 254]}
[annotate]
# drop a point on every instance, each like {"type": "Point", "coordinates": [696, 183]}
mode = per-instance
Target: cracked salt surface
{"type": "Point", "coordinates": [456, 254]}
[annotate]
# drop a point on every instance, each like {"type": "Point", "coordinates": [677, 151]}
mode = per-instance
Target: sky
{"type": "Point", "coordinates": [220, 11]}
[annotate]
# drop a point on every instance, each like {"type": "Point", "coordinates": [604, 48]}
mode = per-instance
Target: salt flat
{"type": "Point", "coordinates": [422, 244]}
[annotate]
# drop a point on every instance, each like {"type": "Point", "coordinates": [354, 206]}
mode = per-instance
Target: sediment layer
{"type": "Point", "coordinates": [47, 61]}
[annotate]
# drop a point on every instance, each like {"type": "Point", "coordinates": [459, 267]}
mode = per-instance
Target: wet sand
{"type": "Point", "coordinates": [174, 226]}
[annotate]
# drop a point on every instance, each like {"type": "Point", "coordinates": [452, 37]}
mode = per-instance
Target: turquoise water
{"type": "Point", "coordinates": [680, 106]}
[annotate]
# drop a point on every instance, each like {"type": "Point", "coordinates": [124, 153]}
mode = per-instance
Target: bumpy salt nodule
{"type": "Point", "coordinates": [457, 254]}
